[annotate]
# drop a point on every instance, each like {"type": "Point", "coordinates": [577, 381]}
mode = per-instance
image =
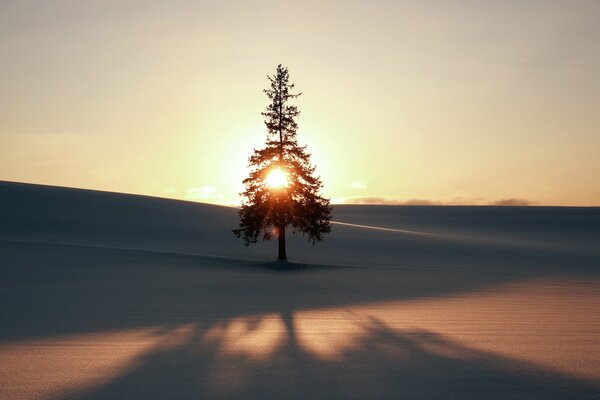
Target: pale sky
{"type": "Point", "coordinates": [460, 102]}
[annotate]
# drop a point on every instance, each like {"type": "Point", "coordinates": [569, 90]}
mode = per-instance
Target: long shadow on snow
{"type": "Point", "coordinates": [49, 291]}
{"type": "Point", "coordinates": [383, 363]}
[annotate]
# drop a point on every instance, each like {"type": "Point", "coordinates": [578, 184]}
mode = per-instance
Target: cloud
{"type": "Point", "coordinates": [458, 201]}
{"type": "Point", "coordinates": [360, 185]}
{"type": "Point", "coordinates": [512, 202]}
{"type": "Point", "coordinates": [204, 194]}
{"type": "Point", "coordinates": [419, 202]}
{"type": "Point", "coordinates": [382, 200]}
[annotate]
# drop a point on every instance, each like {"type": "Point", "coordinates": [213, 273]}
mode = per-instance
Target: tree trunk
{"type": "Point", "coordinates": [282, 255]}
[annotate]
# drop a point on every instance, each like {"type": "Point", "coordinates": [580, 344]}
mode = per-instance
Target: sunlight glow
{"type": "Point", "coordinates": [74, 363]}
{"type": "Point", "coordinates": [277, 179]}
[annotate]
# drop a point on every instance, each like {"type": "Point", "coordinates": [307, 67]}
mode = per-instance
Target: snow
{"type": "Point", "coordinates": [107, 295]}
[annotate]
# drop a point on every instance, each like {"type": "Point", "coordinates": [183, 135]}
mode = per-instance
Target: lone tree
{"type": "Point", "coordinates": [282, 189]}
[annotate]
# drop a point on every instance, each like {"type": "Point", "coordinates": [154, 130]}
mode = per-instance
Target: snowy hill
{"type": "Point", "coordinates": [107, 295]}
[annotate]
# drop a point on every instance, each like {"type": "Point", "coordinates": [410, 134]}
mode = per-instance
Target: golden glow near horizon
{"type": "Point", "coordinates": [403, 102]}
{"type": "Point", "coordinates": [276, 179]}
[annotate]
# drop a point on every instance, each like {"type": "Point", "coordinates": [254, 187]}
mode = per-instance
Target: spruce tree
{"type": "Point", "coordinates": [282, 189]}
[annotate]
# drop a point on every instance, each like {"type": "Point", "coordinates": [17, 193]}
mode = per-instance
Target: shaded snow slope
{"type": "Point", "coordinates": [484, 237]}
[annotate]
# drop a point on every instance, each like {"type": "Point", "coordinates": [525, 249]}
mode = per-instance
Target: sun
{"type": "Point", "coordinates": [277, 179]}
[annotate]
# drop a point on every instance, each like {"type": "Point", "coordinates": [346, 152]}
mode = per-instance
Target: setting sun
{"type": "Point", "coordinates": [276, 179]}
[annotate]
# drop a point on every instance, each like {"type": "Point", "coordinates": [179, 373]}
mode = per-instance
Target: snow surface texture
{"type": "Point", "coordinates": [112, 296]}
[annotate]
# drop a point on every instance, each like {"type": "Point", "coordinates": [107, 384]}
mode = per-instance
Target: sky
{"type": "Point", "coordinates": [416, 102]}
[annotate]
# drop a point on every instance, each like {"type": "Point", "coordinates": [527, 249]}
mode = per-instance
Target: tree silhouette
{"type": "Point", "coordinates": [282, 189]}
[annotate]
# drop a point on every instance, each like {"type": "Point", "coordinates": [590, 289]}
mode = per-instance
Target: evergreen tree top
{"type": "Point", "coordinates": [279, 115]}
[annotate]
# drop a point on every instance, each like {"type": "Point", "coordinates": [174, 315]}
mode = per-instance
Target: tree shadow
{"type": "Point", "coordinates": [55, 290]}
{"type": "Point", "coordinates": [199, 311]}
{"type": "Point", "coordinates": [288, 266]}
{"type": "Point", "coordinates": [383, 363]}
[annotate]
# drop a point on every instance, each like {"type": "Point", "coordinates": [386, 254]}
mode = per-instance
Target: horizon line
{"type": "Point", "coordinates": [387, 203]}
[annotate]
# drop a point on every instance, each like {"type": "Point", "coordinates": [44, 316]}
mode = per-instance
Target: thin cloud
{"type": "Point", "coordinates": [458, 201]}
{"type": "Point", "coordinates": [204, 194]}
{"type": "Point", "coordinates": [360, 185]}
{"type": "Point", "coordinates": [512, 202]}
{"type": "Point", "coordinates": [382, 200]}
